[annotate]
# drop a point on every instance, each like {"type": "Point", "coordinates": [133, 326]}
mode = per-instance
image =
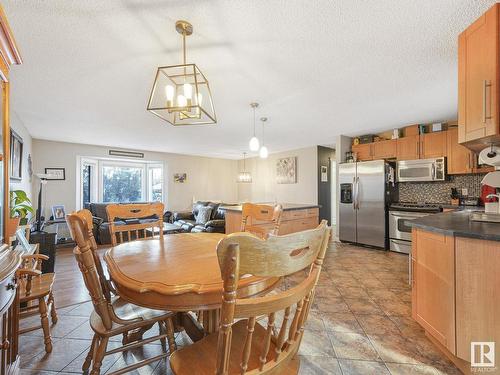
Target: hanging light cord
{"type": "Point", "coordinates": [263, 142]}
{"type": "Point", "coordinates": [254, 121]}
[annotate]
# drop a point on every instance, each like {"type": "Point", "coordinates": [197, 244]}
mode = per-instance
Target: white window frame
{"type": "Point", "coordinates": [96, 183]}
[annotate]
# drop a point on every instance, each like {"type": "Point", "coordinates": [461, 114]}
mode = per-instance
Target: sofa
{"type": "Point", "coordinates": [101, 224]}
{"type": "Point", "coordinates": [189, 221]}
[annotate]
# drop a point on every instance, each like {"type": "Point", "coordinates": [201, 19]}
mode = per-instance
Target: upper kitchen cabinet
{"type": "Point", "coordinates": [478, 81]}
{"type": "Point", "coordinates": [363, 151]}
{"type": "Point", "coordinates": [460, 158]}
{"type": "Point", "coordinates": [408, 148]}
{"type": "Point", "coordinates": [432, 145]}
{"type": "Point", "coordinates": [384, 149]}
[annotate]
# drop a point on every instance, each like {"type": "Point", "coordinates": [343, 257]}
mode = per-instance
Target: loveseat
{"type": "Point", "coordinates": [190, 221]}
{"type": "Point", "coordinates": [101, 224]}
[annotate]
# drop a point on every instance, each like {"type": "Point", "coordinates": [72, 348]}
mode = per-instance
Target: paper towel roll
{"type": "Point", "coordinates": [492, 179]}
{"type": "Point", "coordinates": [490, 155]}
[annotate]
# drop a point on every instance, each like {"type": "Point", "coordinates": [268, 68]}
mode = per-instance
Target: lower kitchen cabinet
{"type": "Point", "coordinates": [455, 292]}
{"type": "Point", "coordinates": [478, 288]}
{"type": "Point", "coordinates": [433, 285]}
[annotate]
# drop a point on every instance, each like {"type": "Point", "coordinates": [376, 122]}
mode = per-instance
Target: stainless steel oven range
{"type": "Point", "coordinates": [399, 230]}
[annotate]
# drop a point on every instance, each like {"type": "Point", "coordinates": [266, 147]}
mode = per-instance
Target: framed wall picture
{"type": "Point", "coordinates": [21, 238]}
{"type": "Point", "coordinates": [324, 173]}
{"type": "Point", "coordinates": [286, 170]}
{"type": "Point", "coordinates": [16, 156]}
{"type": "Point", "coordinates": [55, 173]}
{"type": "Point", "coordinates": [59, 213]}
{"type": "Point", "coordinates": [180, 178]}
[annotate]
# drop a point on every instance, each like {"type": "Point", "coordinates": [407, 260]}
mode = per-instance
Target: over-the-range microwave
{"type": "Point", "coordinates": [421, 170]}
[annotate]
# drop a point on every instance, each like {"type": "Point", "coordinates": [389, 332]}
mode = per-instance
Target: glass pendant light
{"type": "Point", "coordinates": [263, 152]}
{"type": "Point", "coordinates": [254, 141]}
{"type": "Point", "coordinates": [244, 176]}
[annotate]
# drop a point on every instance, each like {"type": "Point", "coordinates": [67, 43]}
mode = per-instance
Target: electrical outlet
{"type": "Point", "coordinates": [465, 192]}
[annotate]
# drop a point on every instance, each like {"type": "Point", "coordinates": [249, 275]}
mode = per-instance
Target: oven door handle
{"type": "Point", "coordinates": [408, 216]}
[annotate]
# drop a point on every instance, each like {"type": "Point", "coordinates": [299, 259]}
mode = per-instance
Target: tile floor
{"type": "Point", "coordinates": [360, 324]}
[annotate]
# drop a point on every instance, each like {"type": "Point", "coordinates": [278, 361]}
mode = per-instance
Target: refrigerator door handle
{"type": "Point", "coordinates": [357, 193]}
{"type": "Point", "coordinates": [354, 193]}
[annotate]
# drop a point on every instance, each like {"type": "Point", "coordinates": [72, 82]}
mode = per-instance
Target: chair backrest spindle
{"type": "Point", "coordinates": [257, 219]}
{"type": "Point", "coordinates": [144, 217]}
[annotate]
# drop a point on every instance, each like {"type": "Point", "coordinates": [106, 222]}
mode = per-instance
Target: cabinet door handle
{"type": "Point", "coordinates": [486, 84]}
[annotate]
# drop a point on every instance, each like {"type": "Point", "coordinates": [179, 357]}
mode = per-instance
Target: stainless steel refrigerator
{"type": "Point", "coordinates": [366, 189]}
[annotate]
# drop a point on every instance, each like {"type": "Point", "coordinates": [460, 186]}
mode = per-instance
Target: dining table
{"type": "Point", "coordinates": [179, 274]}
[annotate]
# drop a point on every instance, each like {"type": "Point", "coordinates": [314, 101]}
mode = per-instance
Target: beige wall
{"type": "Point", "coordinates": [207, 178]}
{"type": "Point", "coordinates": [264, 187]}
{"type": "Point", "coordinates": [25, 184]}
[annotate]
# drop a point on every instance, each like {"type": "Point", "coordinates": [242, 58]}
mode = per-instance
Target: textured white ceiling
{"type": "Point", "coordinates": [318, 68]}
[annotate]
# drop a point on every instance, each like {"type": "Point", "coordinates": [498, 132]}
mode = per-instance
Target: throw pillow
{"type": "Point", "coordinates": [204, 214]}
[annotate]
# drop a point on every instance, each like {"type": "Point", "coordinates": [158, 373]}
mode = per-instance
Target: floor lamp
{"type": "Point", "coordinates": [43, 181]}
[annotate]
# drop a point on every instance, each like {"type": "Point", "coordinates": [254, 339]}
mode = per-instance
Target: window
{"type": "Point", "coordinates": [122, 183]}
{"type": "Point", "coordinates": [156, 183]}
{"type": "Point", "coordinates": [108, 180]}
{"type": "Point", "coordinates": [88, 178]}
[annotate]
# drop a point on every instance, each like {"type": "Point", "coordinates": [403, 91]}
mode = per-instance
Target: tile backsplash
{"type": "Point", "coordinates": [439, 192]}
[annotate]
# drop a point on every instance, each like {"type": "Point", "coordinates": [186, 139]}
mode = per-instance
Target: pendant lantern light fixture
{"type": "Point", "coordinates": [181, 94]}
{"type": "Point", "coordinates": [254, 144]}
{"type": "Point", "coordinates": [244, 176]}
{"type": "Point", "coordinates": [263, 152]}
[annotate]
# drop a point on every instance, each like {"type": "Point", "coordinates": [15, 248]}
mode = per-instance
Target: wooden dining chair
{"type": "Point", "coordinates": [243, 345]}
{"type": "Point", "coordinates": [106, 284]}
{"type": "Point", "coordinates": [113, 317]}
{"type": "Point", "coordinates": [140, 221]}
{"type": "Point", "coordinates": [261, 219]}
{"type": "Point", "coordinates": [35, 293]}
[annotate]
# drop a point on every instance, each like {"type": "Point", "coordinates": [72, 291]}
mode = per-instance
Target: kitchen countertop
{"type": "Point", "coordinates": [286, 206]}
{"type": "Point", "coordinates": [457, 223]}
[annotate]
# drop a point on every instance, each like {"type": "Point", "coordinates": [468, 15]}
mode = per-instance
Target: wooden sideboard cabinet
{"type": "Point", "coordinates": [10, 260]}
{"type": "Point", "coordinates": [292, 220]}
{"type": "Point", "coordinates": [478, 81]}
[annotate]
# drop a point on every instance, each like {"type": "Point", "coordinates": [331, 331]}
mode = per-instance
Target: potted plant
{"type": "Point", "coordinates": [20, 206]}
